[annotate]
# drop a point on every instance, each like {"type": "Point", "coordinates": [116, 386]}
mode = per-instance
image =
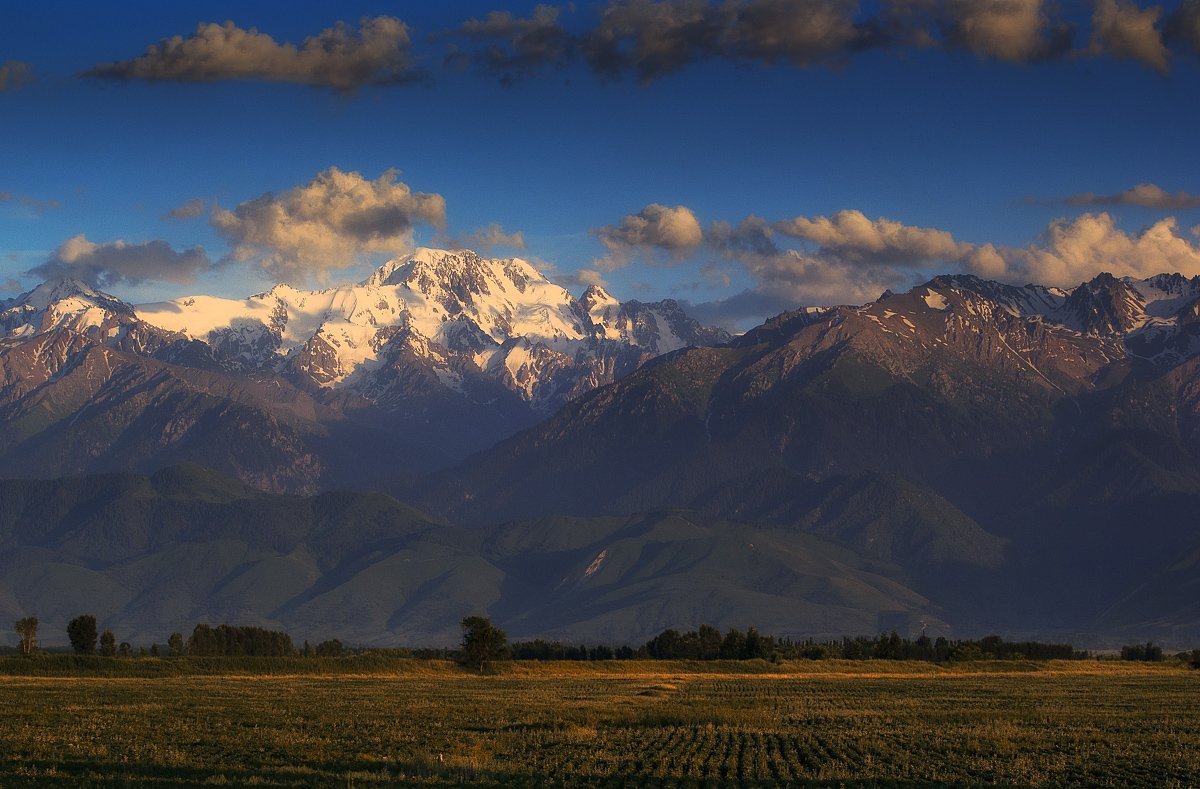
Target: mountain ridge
{"type": "Point", "coordinates": [435, 355]}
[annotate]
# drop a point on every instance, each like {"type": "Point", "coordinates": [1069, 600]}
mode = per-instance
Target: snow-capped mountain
{"type": "Point", "coordinates": [435, 355]}
{"type": "Point", "coordinates": [462, 316]}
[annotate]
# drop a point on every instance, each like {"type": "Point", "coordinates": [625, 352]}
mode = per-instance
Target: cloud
{"type": "Point", "coordinates": [1145, 195]}
{"type": "Point", "coordinates": [189, 210]}
{"type": "Point", "coordinates": [653, 39]}
{"type": "Point", "coordinates": [11, 285]}
{"type": "Point", "coordinates": [493, 235]}
{"type": "Point", "coordinates": [525, 46]}
{"type": "Point", "coordinates": [104, 265]}
{"type": "Point", "coordinates": [1073, 251]}
{"type": "Point", "coordinates": [38, 206]}
{"type": "Point", "coordinates": [1016, 31]}
{"type": "Point", "coordinates": [854, 239]}
{"type": "Point", "coordinates": [656, 228]}
{"type": "Point", "coordinates": [327, 224]}
{"type": "Point", "coordinates": [339, 57]}
{"type": "Point", "coordinates": [583, 278]}
{"type": "Point", "coordinates": [851, 259]}
{"type": "Point", "coordinates": [1183, 24]}
{"type": "Point", "coordinates": [14, 75]}
{"type": "Point", "coordinates": [1123, 30]}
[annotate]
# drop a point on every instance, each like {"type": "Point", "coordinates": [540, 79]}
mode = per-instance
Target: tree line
{"type": "Point", "coordinates": [484, 643]}
{"type": "Point", "coordinates": [709, 643]}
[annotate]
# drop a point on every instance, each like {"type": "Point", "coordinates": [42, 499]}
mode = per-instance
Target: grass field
{"type": "Point", "coordinates": [643, 724]}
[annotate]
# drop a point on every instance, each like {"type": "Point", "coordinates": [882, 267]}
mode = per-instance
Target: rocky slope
{"type": "Point", "coordinates": [1062, 423]}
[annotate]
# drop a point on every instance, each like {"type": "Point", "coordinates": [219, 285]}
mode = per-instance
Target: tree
{"type": "Point", "coordinates": [27, 631]}
{"type": "Point", "coordinates": [108, 643]}
{"type": "Point", "coordinates": [126, 649]}
{"type": "Point", "coordinates": [482, 641]}
{"type": "Point", "coordinates": [82, 632]}
{"type": "Point", "coordinates": [175, 644]}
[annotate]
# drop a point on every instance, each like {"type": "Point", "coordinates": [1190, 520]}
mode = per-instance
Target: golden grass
{"type": "Point", "coordinates": [1085, 723]}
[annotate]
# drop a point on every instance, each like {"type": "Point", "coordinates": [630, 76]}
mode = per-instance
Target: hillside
{"type": "Point", "coordinates": [150, 555]}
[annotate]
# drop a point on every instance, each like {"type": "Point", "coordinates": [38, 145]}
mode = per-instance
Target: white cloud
{"type": "Point", "coordinates": [1073, 251]}
{"type": "Point", "coordinates": [853, 238]}
{"type": "Point", "coordinates": [671, 229]}
{"type": "Point", "coordinates": [327, 224]}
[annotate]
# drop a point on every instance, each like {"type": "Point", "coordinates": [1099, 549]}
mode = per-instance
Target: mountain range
{"type": "Point", "coordinates": [969, 455]}
{"type": "Point", "coordinates": [437, 354]}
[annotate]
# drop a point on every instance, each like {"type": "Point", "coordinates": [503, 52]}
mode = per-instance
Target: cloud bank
{"type": "Point", "coordinates": [328, 224]}
{"type": "Point", "coordinates": [651, 39]}
{"type": "Point", "coordinates": [850, 258]}
{"type": "Point", "coordinates": [339, 57]}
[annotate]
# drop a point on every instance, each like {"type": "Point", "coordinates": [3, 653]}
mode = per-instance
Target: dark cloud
{"type": "Point", "coordinates": [748, 306]}
{"type": "Point", "coordinates": [14, 75]}
{"type": "Point", "coordinates": [521, 47]}
{"type": "Point", "coordinates": [651, 39]}
{"type": "Point", "coordinates": [1145, 195]}
{"type": "Point", "coordinates": [1183, 25]}
{"type": "Point", "coordinates": [189, 210]}
{"type": "Point", "coordinates": [104, 265]}
{"type": "Point", "coordinates": [340, 57]}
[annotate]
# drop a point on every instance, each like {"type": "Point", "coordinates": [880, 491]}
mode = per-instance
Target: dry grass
{"type": "Point", "coordinates": [648, 724]}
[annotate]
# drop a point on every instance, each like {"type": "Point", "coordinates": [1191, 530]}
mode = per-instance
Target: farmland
{"type": "Point", "coordinates": [633, 723]}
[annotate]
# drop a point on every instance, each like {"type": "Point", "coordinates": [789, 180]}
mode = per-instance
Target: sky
{"type": "Point", "coordinates": [742, 156]}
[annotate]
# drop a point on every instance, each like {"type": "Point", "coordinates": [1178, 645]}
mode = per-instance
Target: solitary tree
{"type": "Point", "coordinates": [27, 632]}
{"type": "Point", "coordinates": [482, 641]}
{"type": "Point", "coordinates": [82, 632]}
{"type": "Point", "coordinates": [175, 644]}
{"type": "Point", "coordinates": [108, 643]}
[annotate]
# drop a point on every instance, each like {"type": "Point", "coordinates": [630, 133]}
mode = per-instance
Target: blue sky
{"type": "Point", "coordinates": [944, 138]}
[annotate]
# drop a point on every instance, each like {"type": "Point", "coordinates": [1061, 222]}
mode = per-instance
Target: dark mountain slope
{"type": "Point", "coordinates": [149, 555]}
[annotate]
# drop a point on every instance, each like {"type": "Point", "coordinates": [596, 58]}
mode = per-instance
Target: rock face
{"type": "Point", "coordinates": [436, 355]}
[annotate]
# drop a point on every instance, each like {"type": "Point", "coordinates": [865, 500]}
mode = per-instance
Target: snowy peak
{"type": "Point", "coordinates": [464, 324]}
{"type": "Point", "coordinates": [66, 304]}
